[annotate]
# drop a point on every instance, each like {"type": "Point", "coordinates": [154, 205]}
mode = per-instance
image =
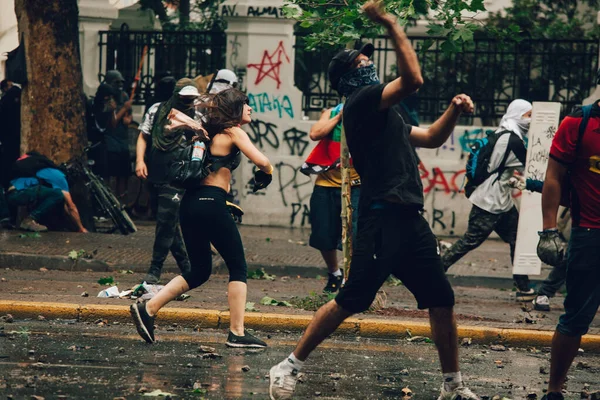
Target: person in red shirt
{"type": "Point", "coordinates": [575, 160]}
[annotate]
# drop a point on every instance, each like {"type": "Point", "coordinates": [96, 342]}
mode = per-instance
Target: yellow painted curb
{"type": "Point", "coordinates": [365, 327]}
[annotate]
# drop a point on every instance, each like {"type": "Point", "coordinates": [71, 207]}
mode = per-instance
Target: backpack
{"type": "Point", "coordinates": [480, 153]}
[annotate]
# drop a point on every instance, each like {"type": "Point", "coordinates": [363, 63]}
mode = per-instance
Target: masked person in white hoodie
{"type": "Point", "coordinates": [493, 207]}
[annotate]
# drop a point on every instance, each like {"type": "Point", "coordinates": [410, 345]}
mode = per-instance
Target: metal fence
{"type": "Point", "coordinates": [183, 53]}
{"type": "Point", "coordinates": [491, 72]}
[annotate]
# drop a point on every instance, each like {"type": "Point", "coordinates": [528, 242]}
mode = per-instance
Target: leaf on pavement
{"type": "Point", "coordinates": [158, 393]}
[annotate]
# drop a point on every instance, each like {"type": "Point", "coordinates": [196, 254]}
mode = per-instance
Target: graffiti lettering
{"type": "Point", "coordinates": [439, 219]}
{"type": "Point", "coordinates": [263, 132]}
{"type": "Point", "coordinates": [296, 140]}
{"type": "Point", "coordinates": [229, 11]}
{"type": "Point", "coordinates": [263, 102]}
{"type": "Point", "coordinates": [270, 65]}
{"type": "Point", "coordinates": [296, 208]}
{"type": "Point", "coordinates": [436, 180]}
{"type": "Point", "coordinates": [235, 50]}
{"type": "Point", "coordinates": [291, 179]}
{"type": "Point", "coordinates": [260, 11]}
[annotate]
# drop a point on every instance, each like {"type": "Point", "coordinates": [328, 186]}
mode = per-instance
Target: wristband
{"type": "Point", "coordinates": [270, 170]}
{"type": "Point", "coordinates": [549, 230]}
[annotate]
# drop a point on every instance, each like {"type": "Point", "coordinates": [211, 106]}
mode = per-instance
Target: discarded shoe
{"type": "Point", "coordinates": [247, 340]}
{"type": "Point", "coordinates": [541, 303]}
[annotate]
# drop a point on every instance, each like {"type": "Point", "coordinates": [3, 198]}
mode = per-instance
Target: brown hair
{"type": "Point", "coordinates": [223, 110]}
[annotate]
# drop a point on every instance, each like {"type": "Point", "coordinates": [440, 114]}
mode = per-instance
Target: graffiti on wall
{"type": "Point", "coordinates": [265, 136]}
{"type": "Point", "coordinates": [262, 103]}
{"type": "Point", "coordinates": [270, 65]}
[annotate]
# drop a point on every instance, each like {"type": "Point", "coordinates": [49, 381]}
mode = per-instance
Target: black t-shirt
{"type": "Point", "coordinates": [379, 141]}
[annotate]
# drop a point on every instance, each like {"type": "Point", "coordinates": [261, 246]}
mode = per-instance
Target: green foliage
{"type": "Point", "coordinates": [548, 19]}
{"type": "Point", "coordinates": [107, 281]}
{"type": "Point", "coordinates": [334, 23]}
{"type": "Point", "coordinates": [313, 301]}
{"type": "Point", "coordinates": [269, 301]}
{"type": "Point", "coordinates": [260, 274]}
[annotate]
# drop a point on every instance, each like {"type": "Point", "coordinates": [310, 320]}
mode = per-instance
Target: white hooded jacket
{"type": "Point", "coordinates": [494, 195]}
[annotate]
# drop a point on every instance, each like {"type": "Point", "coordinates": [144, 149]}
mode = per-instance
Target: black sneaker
{"type": "Point", "coordinates": [334, 283]}
{"type": "Point", "coordinates": [244, 341]}
{"type": "Point", "coordinates": [152, 278]}
{"type": "Point", "coordinates": [553, 396]}
{"type": "Point", "coordinates": [143, 322]}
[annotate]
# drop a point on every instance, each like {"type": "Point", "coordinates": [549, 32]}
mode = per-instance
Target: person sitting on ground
{"type": "Point", "coordinates": [326, 198]}
{"type": "Point", "coordinates": [493, 207]}
{"type": "Point", "coordinates": [38, 183]}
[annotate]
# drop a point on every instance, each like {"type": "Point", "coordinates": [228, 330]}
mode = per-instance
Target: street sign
{"type": "Point", "coordinates": [544, 122]}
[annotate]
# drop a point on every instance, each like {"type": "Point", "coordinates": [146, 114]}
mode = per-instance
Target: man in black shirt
{"type": "Point", "coordinates": [392, 237]}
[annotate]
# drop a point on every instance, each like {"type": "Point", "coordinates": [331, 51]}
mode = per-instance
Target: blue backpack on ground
{"type": "Point", "coordinates": [480, 153]}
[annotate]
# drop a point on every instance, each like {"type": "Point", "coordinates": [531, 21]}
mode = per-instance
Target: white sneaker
{"type": "Point", "coordinates": [541, 303]}
{"type": "Point", "coordinates": [460, 393]}
{"type": "Point", "coordinates": [282, 382]}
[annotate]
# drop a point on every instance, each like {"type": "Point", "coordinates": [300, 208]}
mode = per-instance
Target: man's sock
{"type": "Point", "coordinates": [291, 363]}
{"type": "Point", "coordinates": [338, 272]}
{"type": "Point", "coordinates": [452, 380]}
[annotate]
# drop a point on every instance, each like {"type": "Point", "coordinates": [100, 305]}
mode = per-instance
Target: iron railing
{"type": "Point", "coordinates": [493, 73]}
{"type": "Point", "coordinates": [183, 53]}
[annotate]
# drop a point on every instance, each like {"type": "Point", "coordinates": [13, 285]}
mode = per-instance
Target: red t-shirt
{"type": "Point", "coordinates": [586, 164]}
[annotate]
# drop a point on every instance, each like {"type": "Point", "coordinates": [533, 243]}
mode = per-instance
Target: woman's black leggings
{"type": "Point", "coordinates": [205, 219]}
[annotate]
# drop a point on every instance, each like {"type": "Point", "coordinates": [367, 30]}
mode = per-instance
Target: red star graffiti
{"type": "Point", "coordinates": [270, 65]}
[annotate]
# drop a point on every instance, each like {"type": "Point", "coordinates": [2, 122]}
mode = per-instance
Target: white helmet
{"type": "Point", "coordinates": [224, 79]}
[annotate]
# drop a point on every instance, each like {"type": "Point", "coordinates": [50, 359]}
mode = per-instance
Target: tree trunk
{"type": "Point", "coordinates": [53, 101]}
{"type": "Point", "coordinates": [184, 13]}
{"type": "Point", "coordinates": [53, 109]}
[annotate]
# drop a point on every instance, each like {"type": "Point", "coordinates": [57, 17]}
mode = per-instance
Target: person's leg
{"type": "Point", "coordinates": [326, 226]}
{"type": "Point", "coordinates": [549, 287]}
{"type": "Point", "coordinates": [179, 250]}
{"type": "Point", "coordinates": [167, 217]}
{"type": "Point", "coordinates": [481, 225]}
{"type": "Point", "coordinates": [581, 302]}
{"type": "Point", "coordinates": [422, 273]}
{"type": "Point", "coordinates": [506, 228]}
{"type": "Point", "coordinates": [367, 274]}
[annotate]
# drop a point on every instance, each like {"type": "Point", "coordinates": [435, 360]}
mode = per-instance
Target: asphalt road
{"type": "Point", "coordinates": [96, 361]}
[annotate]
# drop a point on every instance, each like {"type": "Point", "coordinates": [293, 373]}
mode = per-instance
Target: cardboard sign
{"type": "Point", "coordinates": [544, 122]}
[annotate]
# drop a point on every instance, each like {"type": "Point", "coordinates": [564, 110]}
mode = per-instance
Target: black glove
{"type": "Point", "coordinates": [235, 211]}
{"type": "Point", "coordinates": [261, 180]}
{"type": "Point", "coordinates": [551, 248]}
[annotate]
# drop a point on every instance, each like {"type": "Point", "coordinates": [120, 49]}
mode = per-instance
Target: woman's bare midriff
{"type": "Point", "coordinates": [220, 146]}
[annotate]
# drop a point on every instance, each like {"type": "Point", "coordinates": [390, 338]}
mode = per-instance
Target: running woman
{"type": "Point", "coordinates": [205, 218]}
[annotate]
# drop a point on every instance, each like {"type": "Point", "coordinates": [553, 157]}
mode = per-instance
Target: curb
{"type": "Point", "coordinates": [24, 261]}
{"type": "Point", "coordinates": [364, 327]}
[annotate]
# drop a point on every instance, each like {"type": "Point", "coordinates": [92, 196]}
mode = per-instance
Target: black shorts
{"type": "Point", "coordinates": [395, 240]}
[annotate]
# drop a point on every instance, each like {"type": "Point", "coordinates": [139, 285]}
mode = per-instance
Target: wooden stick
{"type": "Point", "coordinates": [346, 203]}
{"type": "Point", "coordinates": [139, 73]}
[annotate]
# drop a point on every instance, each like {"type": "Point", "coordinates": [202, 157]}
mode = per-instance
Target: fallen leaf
{"type": "Point", "coordinates": [44, 269]}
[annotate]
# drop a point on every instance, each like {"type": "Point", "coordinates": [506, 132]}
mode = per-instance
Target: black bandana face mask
{"type": "Point", "coordinates": [357, 78]}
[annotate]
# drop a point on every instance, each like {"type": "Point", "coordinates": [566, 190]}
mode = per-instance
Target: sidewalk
{"type": "Point", "coordinates": [37, 278]}
{"type": "Point", "coordinates": [487, 315]}
{"type": "Point", "coordinates": [280, 251]}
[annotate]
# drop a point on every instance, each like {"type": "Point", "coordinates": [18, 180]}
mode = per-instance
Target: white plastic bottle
{"type": "Point", "coordinates": [198, 151]}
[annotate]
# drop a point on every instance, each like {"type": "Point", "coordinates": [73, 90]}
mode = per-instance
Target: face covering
{"type": "Point", "coordinates": [524, 124]}
{"type": "Point", "coordinates": [358, 78]}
